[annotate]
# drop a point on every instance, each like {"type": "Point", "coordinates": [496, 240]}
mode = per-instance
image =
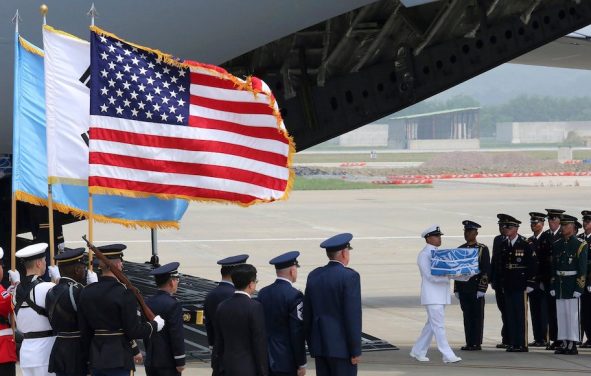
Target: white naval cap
{"type": "Point", "coordinates": [431, 230]}
{"type": "Point", "coordinates": [1, 253]}
{"type": "Point", "coordinates": [33, 251]}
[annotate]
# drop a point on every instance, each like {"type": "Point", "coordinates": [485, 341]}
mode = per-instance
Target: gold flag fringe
{"type": "Point", "coordinates": [29, 47]}
{"type": "Point", "coordinates": [81, 214]}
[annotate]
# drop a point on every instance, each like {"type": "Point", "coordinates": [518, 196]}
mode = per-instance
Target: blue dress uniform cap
{"type": "Point", "coordinates": [32, 252]}
{"type": "Point", "coordinates": [171, 269]}
{"type": "Point", "coordinates": [337, 242]}
{"type": "Point", "coordinates": [586, 215]}
{"type": "Point", "coordinates": [535, 217]}
{"type": "Point", "coordinates": [233, 260]}
{"type": "Point", "coordinates": [431, 231]}
{"type": "Point", "coordinates": [112, 251]}
{"type": "Point", "coordinates": [470, 225]}
{"type": "Point", "coordinates": [70, 255]}
{"type": "Point", "coordinates": [285, 260]}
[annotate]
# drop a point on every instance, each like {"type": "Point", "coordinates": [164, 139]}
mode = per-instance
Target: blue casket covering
{"type": "Point", "coordinates": [454, 262]}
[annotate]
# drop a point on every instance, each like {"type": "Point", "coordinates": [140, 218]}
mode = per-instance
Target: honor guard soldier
{"type": "Point", "coordinates": [240, 339]}
{"type": "Point", "coordinates": [165, 350]}
{"type": "Point", "coordinates": [569, 272]}
{"type": "Point", "coordinates": [224, 290]}
{"type": "Point", "coordinates": [519, 270]}
{"type": "Point", "coordinates": [586, 298]}
{"type": "Point", "coordinates": [68, 357]}
{"type": "Point", "coordinates": [110, 321]}
{"type": "Point", "coordinates": [7, 345]}
{"type": "Point", "coordinates": [547, 239]}
{"type": "Point", "coordinates": [283, 305]}
{"type": "Point", "coordinates": [496, 277]}
{"type": "Point", "coordinates": [538, 300]}
{"type": "Point", "coordinates": [31, 315]}
{"type": "Point", "coordinates": [471, 293]}
{"type": "Point", "coordinates": [332, 311]}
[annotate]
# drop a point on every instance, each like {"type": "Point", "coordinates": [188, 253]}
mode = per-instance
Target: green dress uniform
{"type": "Point", "coordinates": [586, 298]}
{"type": "Point", "coordinates": [569, 272]}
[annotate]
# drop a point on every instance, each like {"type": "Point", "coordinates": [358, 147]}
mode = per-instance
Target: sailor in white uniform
{"type": "Point", "coordinates": [31, 317]}
{"type": "Point", "coordinates": [435, 294]}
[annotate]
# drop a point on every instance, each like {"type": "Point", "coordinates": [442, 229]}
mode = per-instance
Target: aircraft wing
{"type": "Point", "coordinates": [572, 51]}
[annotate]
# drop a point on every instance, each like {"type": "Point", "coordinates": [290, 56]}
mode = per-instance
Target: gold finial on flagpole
{"type": "Point", "coordinates": [43, 10]}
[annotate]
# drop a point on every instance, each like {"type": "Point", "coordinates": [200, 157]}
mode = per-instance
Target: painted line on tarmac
{"type": "Point", "coordinates": [267, 239]}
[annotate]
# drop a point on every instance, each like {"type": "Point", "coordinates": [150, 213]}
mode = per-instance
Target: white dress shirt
{"type": "Point", "coordinates": [434, 289]}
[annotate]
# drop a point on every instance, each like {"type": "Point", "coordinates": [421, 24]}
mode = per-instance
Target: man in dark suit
{"type": "Point", "coordinates": [283, 306]}
{"type": "Point", "coordinates": [240, 338]}
{"type": "Point", "coordinates": [109, 322]}
{"type": "Point", "coordinates": [538, 300]}
{"type": "Point", "coordinates": [586, 298]}
{"type": "Point", "coordinates": [224, 290]}
{"type": "Point", "coordinates": [332, 311]}
{"type": "Point", "coordinates": [165, 350]}
{"type": "Point", "coordinates": [496, 277]}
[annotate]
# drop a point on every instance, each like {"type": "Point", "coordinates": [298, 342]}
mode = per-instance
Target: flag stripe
{"type": "Point", "coordinates": [165, 130]}
{"type": "Point", "coordinates": [213, 81]}
{"type": "Point", "coordinates": [254, 120]}
{"type": "Point", "coordinates": [231, 106]}
{"type": "Point", "coordinates": [228, 94]}
{"type": "Point", "coordinates": [205, 193]}
{"type": "Point", "coordinates": [257, 132]}
{"type": "Point", "coordinates": [184, 147]}
{"type": "Point", "coordinates": [115, 172]}
{"type": "Point", "coordinates": [209, 170]}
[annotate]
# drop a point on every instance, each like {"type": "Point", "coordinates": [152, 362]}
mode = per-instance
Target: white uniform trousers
{"type": "Point", "coordinates": [567, 315]}
{"type": "Point", "coordinates": [36, 371]}
{"type": "Point", "coordinates": [435, 326]}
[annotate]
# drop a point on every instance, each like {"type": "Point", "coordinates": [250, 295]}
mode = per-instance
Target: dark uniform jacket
{"type": "Point", "coordinates": [283, 306]}
{"type": "Point", "coordinates": [569, 267]}
{"type": "Point", "coordinates": [223, 291]}
{"type": "Point", "coordinates": [109, 322]}
{"type": "Point", "coordinates": [519, 265]}
{"type": "Point", "coordinates": [61, 302]}
{"type": "Point", "coordinates": [546, 240]}
{"type": "Point", "coordinates": [534, 244]}
{"type": "Point", "coordinates": [479, 282]}
{"type": "Point", "coordinates": [240, 339]}
{"type": "Point", "coordinates": [166, 348]}
{"type": "Point", "coordinates": [496, 268]}
{"type": "Point", "coordinates": [332, 312]}
{"type": "Point", "coordinates": [587, 239]}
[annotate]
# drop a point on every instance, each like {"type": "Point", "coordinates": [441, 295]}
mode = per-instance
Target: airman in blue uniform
{"type": "Point", "coordinates": [283, 305]}
{"type": "Point", "coordinates": [224, 290]}
{"type": "Point", "coordinates": [586, 298]}
{"type": "Point", "coordinates": [165, 350]}
{"type": "Point", "coordinates": [332, 311]}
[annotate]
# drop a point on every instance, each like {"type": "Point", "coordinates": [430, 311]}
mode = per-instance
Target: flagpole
{"type": "Point", "coordinates": [92, 13]}
{"type": "Point", "coordinates": [15, 20]}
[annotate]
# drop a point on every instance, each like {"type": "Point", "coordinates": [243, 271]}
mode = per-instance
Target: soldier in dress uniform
{"type": "Point", "coordinates": [519, 270]}
{"type": "Point", "coordinates": [283, 305]}
{"type": "Point", "coordinates": [68, 357]}
{"type": "Point", "coordinates": [224, 290]}
{"type": "Point", "coordinates": [332, 311]}
{"type": "Point", "coordinates": [31, 314]}
{"type": "Point", "coordinates": [547, 239]}
{"type": "Point", "coordinates": [471, 293]}
{"type": "Point", "coordinates": [496, 277]}
{"type": "Point", "coordinates": [165, 350]}
{"type": "Point", "coordinates": [240, 336]}
{"type": "Point", "coordinates": [569, 274]}
{"type": "Point", "coordinates": [109, 320]}
{"type": "Point", "coordinates": [538, 300]}
{"type": "Point", "coordinates": [586, 297]}
{"type": "Point", "coordinates": [7, 345]}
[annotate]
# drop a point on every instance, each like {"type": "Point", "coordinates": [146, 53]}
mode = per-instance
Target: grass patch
{"type": "Point", "coordinates": [311, 184]}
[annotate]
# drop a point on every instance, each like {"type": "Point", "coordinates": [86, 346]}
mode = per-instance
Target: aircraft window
{"type": "Point", "coordinates": [508, 34]}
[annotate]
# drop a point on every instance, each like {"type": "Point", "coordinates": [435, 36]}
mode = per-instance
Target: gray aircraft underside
{"type": "Point", "coordinates": [334, 65]}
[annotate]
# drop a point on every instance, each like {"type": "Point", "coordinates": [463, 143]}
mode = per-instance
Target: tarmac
{"type": "Point", "coordinates": [386, 225]}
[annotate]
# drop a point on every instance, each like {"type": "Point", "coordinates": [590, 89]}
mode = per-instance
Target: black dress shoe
{"type": "Point", "coordinates": [476, 348]}
{"type": "Point", "coordinates": [572, 351]}
{"type": "Point", "coordinates": [559, 350]}
{"type": "Point", "coordinates": [554, 345]}
{"type": "Point", "coordinates": [538, 344]}
{"type": "Point", "coordinates": [502, 346]}
{"type": "Point", "coordinates": [519, 349]}
{"type": "Point", "coordinates": [466, 348]}
{"type": "Point", "coordinates": [586, 345]}
{"type": "Point", "coordinates": [509, 348]}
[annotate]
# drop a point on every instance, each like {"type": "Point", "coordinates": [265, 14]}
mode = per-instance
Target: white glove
{"type": "Point", "coordinates": [11, 289]}
{"type": "Point", "coordinates": [528, 290]}
{"type": "Point", "coordinates": [159, 322]}
{"type": "Point", "coordinates": [14, 277]}
{"type": "Point", "coordinates": [457, 294]}
{"type": "Point", "coordinates": [552, 292]}
{"type": "Point", "coordinates": [54, 272]}
{"type": "Point", "coordinates": [589, 288]}
{"type": "Point", "coordinates": [61, 246]}
{"type": "Point", "coordinates": [542, 286]}
{"type": "Point", "coordinates": [480, 294]}
{"type": "Point", "coordinates": [91, 277]}
{"type": "Point", "coordinates": [576, 295]}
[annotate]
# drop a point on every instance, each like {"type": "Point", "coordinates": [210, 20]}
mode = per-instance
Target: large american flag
{"type": "Point", "coordinates": [174, 128]}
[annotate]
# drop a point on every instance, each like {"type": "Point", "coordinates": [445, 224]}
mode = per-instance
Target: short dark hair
{"type": "Point", "coordinates": [162, 280]}
{"type": "Point", "coordinates": [331, 254]}
{"type": "Point", "coordinates": [227, 270]}
{"type": "Point", "coordinates": [242, 275]}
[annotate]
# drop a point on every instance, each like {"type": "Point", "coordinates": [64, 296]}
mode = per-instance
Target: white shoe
{"type": "Point", "coordinates": [455, 359]}
{"type": "Point", "coordinates": [419, 357]}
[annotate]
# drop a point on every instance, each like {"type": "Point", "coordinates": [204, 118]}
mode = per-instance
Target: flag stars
{"type": "Point", "coordinates": [173, 79]}
{"type": "Point", "coordinates": [157, 90]}
{"type": "Point", "coordinates": [172, 109]}
{"type": "Point", "coordinates": [119, 44]}
{"type": "Point", "coordinates": [134, 112]}
{"type": "Point", "coordinates": [104, 107]}
{"type": "Point", "coordinates": [149, 97]}
{"type": "Point", "coordinates": [150, 81]}
{"type": "Point", "coordinates": [141, 105]}
{"type": "Point", "coordinates": [158, 75]}
{"type": "Point", "coordinates": [126, 102]}
{"type": "Point", "coordinates": [166, 84]}
{"type": "Point", "coordinates": [166, 70]}
{"type": "Point", "coordinates": [165, 100]}
{"type": "Point", "coordinates": [156, 107]}
{"type": "Point", "coordinates": [104, 73]}
{"type": "Point", "coordinates": [141, 87]}
{"type": "Point", "coordinates": [148, 115]}
{"type": "Point", "coordinates": [127, 68]}
{"type": "Point", "coordinates": [173, 94]}
{"type": "Point", "coordinates": [119, 58]}
{"type": "Point", "coordinates": [151, 65]}
{"type": "Point", "coordinates": [164, 116]}
{"type": "Point", "coordinates": [134, 77]}
{"type": "Point", "coordinates": [103, 39]}
{"type": "Point", "coordinates": [180, 118]}
{"type": "Point", "coordinates": [181, 102]}
{"type": "Point", "coordinates": [119, 93]}
{"type": "Point", "coordinates": [112, 100]}
{"type": "Point", "coordinates": [181, 89]}
{"type": "Point", "coordinates": [111, 65]}
{"type": "Point", "coordinates": [135, 61]}
{"type": "Point", "coordinates": [119, 110]}
{"type": "Point", "coordinates": [111, 48]}
{"type": "Point", "coordinates": [104, 55]}
{"type": "Point", "coordinates": [133, 94]}
{"type": "Point", "coordinates": [119, 76]}
{"type": "Point", "coordinates": [111, 83]}
{"type": "Point", "coordinates": [104, 90]}
{"type": "Point", "coordinates": [182, 73]}
{"type": "Point", "coordinates": [126, 85]}
{"type": "Point", "coordinates": [143, 71]}
{"type": "Point", "coordinates": [126, 52]}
